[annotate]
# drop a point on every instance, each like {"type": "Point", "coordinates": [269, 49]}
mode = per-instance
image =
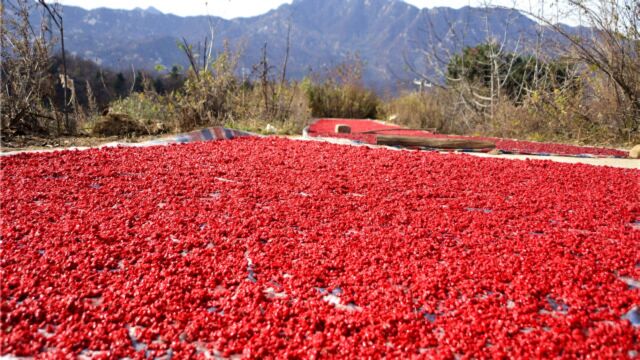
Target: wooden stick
{"type": "Point", "coordinates": [437, 143]}
{"type": "Point", "coordinates": [431, 130]}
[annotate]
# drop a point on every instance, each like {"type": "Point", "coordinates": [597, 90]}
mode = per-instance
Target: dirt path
{"type": "Point", "coordinates": [619, 163]}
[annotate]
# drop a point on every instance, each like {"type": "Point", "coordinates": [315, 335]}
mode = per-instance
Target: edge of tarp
{"type": "Point", "coordinates": [215, 133]}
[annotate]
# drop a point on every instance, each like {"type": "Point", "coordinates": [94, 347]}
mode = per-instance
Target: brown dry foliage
{"type": "Point", "coordinates": [592, 114]}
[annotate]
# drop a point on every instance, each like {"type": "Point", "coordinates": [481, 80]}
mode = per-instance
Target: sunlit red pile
{"type": "Point", "coordinates": [272, 247]}
{"type": "Point", "coordinates": [367, 131]}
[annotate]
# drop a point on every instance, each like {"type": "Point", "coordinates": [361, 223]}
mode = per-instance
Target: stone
{"type": "Point", "coordinates": [343, 129]}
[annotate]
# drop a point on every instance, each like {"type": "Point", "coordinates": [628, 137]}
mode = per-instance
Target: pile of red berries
{"type": "Point", "coordinates": [272, 247]}
{"type": "Point", "coordinates": [367, 131]}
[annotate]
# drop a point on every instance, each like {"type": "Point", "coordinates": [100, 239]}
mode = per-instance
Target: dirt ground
{"type": "Point", "coordinates": [619, 163]}
{"type": "Point", "coordinates": [31, 143]}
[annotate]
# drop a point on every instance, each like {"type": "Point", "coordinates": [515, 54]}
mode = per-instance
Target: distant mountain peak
{"type": "Point", "coordinates": [149, 10]}
{"type": "Point", "coordinates": [154, 11]}
{"type": "Point", "coordinates": [386, 34]}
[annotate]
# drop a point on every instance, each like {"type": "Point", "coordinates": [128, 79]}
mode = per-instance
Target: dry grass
{"type": "Point", "coordinates": [593, 115]}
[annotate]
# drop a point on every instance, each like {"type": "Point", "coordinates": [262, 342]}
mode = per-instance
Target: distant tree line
{"type": "Point", "coordinates": [108, 85]}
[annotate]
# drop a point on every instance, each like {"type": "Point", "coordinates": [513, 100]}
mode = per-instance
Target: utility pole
{"type": "Point", "coordinates": [2, 124]}
{"type": "Point", "coordinates": [58, 20]}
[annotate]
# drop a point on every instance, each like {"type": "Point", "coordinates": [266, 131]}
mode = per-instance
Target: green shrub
{"type": "Point", "coordinates": [515, 74]}
{"type": "Point", "coordinates": [148, 108]}
{"type": "Point", "coordinates": [340, 93]}
{"type": "Point", "coordinates": [432, 111]}
{"type": "Point", "coordinates": [329, 99]}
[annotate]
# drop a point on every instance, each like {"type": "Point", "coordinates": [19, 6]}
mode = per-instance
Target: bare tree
{"type": "Point", "coordinates": [203, 51]}
{"type": "Point", "coordinates": [610, 44]}
{"type": "Point", "coordinates": [437, 48]}
{"type": "Point", "coordinates": [56, 15]}
{"type": "Point", "coordinates": [25, 60]}
{"type": "Point", "coordinates": [277, 100]}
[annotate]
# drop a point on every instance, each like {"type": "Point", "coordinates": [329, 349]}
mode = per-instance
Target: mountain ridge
{"type": "Point", "coordinates": [388, 35]}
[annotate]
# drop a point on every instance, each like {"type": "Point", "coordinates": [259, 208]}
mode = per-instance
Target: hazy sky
{"type": "Point", "coordinates": [243, 8]}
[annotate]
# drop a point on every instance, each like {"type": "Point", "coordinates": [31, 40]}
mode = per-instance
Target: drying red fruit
{"type": "Point", "coordinates": [272, 247]}
{"type": "Point", "coordinates": [367, 130]}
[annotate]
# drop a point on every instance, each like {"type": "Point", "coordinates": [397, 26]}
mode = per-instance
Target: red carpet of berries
{"type": "Point", "coordinates": [367, 130]}
{"type": "Point", "coordinates": [279, 248]}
